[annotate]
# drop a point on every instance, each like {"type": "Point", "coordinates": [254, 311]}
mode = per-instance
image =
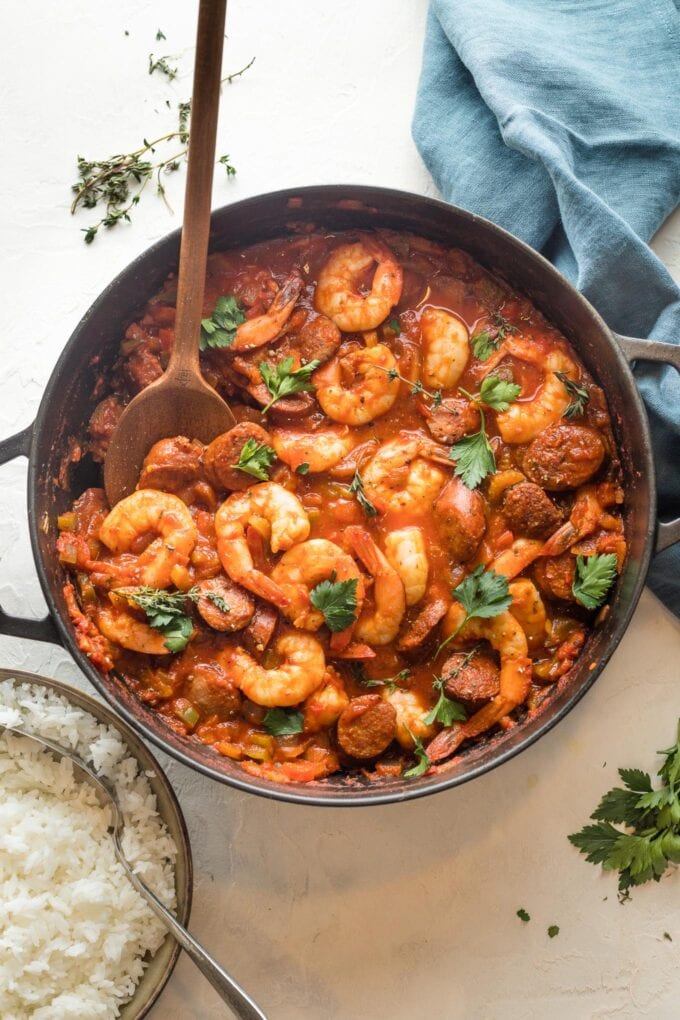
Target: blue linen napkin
{"type": "Point", "coordinates": [560, 121]}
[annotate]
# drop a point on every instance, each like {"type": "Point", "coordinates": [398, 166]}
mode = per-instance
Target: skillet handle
{"type": "Point", "coordinates": [668, 532]}
{"type": "Point", "coordinates": [19, 445]}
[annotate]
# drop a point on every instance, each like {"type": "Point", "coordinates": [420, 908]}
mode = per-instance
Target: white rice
{"type": "Point", "coordinates": [73, 931]}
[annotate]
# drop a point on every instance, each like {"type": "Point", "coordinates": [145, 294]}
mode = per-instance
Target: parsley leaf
{"type": "Point", "coordinates": [522, 914]}
{"type": "Point", "coordinates": [578, 396]}
{"type": "Point", "coordinates": [489, 340]}
{"type": "Point", "coordinates": [337, 600]}
{"type": "Point", "coordinates": [553, 930]}
{"type": "Point", "coordinates": [283, 380]}
{"type": "Point", "coordinates": [165, 611]}
{"type": "Point", "coordinates": [394, 325]}
{"type": "Point", "coordinates": [255, 459]}
{"type": "Point", "coordinates": [446, 711]}
{"type": "Point", "coordinates": [652, 818]}
{"type": "Point", "coordinates": [357, 488]}
{"type": "Point", "coordinates": [474, 457]}
{"type": "Point", "coordinates": [497, 393]}
{"type": "Point", "coordinates": [281, 722]}
{"type": "Point", "coordinates": [483, 594]}
{"type": "Point", "coordinates": [423, 762]}
{"type": "Point", "coordinates": [594, 577]}
{"type": "Point", "coordinates": [302, 469]}
{"type": "Point", "coordinates": [220, 329]}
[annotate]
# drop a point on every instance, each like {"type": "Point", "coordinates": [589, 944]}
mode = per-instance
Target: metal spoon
{"type": "Point", "coordinates": [181, 402]}
{"type": "Point", "coordinates": [227, 988]}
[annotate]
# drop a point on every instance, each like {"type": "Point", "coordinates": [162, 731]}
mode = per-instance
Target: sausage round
{"type": "Point", "coordinates": [224, 452]}
{"type": "Point", "coordinates": [460, 513]}
{"type": "Point", "coordinates": [211, 691]}
{"type": "Point", "coordinates": [474, 679]}
{"type": "Point", "coordinates": [367, 726]}
{"type": "Point", "coordinates": [563, 457]}
{"type": "Point", "coordinates": [241, 604]}
{"type": "Point", "coordinates": [450, 423]}
{"type": "Point", "coordinates": [555, 576]}
{"type": "Point", "coordinates": [318, 340]}
{"type": "Point", "coordinates": [529, 511]}
{"type": "Point", "coordinates": [172, 464]}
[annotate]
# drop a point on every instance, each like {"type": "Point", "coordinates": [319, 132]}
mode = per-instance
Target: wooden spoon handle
{"type": "Point", "coordinates": [205, 100]}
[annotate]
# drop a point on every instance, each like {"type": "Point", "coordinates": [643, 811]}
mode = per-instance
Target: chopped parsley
{"type": "Point", "coordinates": [594, 577]}
{"type": "Point", "coordinates": [219, 330]}
{"type": "Point", "coordinates": [255, 459]}
{"type": "Point", "coordinates": [337, 600]}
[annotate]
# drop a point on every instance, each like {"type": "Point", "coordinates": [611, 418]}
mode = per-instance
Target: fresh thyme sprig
{"type": "Point", "coordinates": [118, 182]}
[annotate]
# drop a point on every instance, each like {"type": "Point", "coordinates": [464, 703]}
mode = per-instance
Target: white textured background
{"type": "Point", "coordinates": [404, 911]}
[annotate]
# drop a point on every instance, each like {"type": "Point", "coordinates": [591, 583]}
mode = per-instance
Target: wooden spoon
{"type": "Point", "coordinates": [181, 403]}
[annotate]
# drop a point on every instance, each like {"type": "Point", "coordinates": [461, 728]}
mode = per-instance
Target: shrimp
{"type": "Point", "coordinates": [301, 671]}
{"type": "Point", "coordinates": [588, 513]}
{"type": "Point", "coordinates": [446, 348]}
{"type": "Point", "coordinates": [528, 609]}
{"type": "Point", "coordinates": [411, 710]}
{"type": "Point", "coordinates": [302, 568]}
{"type": "Point", "coordinates": [401, 476]}
{"type": "Point", "coordinates": [148, 512]}
{"type": "Point", "coordinates": [265, 328]}
{"type": "Point", "coordinates": [381, 626]}
{"type": "Point", "coordinates": [523, 420]}
{"type": "Point", "coordinates": [405, 550]}
{"type": "Point", "coordinates": [337, 291]}
{"type": "Point", "coordinates": [270, 509]}
{"type": "Point", "coordinates": [357, 388]}
{"type": "Point", "coordinates": [320, 450]}
{"type": "Point", "coordinates": [122, 627]}
{"type": "Point", "coordinates": [518, 556]}
{"type": "Point", "coordinates": [326, 704]}
{"type": "Point", "coordinates": [507, 637]}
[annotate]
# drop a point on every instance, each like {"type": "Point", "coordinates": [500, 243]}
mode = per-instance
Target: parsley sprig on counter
{"type": "Point", "coordinates": [283, 380]}
{"type": "Point", "coordinates": [650, 839]}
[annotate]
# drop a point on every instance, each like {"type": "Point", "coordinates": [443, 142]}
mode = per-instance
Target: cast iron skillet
{"type": "Point", "coordinates": [68, 403]}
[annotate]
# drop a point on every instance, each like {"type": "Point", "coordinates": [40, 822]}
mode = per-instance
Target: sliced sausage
{"type": "Point", "coordinates": [318, 340]}
{"type": "Point", "coordinates": [563, 457]}
{"type": "Point", "coordinates": [460, 513]}
{"type": "Point", "coordinates": [529, 511]}
{"type": "Point", "coordinates": [224, 452]}
{"type": "Point", "coordinates": [105, 417]}
{"type": "Point", "coordinates": [471, 679]}
{"type": "Point", "coordinates": [434, 610]}
{"type": "Point", "coordinates": [211, 691]}
{"type": "Point", "coordinates": [367, 726]}
{"type": "Point", "coordinates": [450, 423]}
{"type": "Point", "coordinates": [220, 591]}
{"type": "Point", "coordinates": [172, 464]}
{"type": "Point", "coordinates": [555, 576]}
{"type": "Point", "coordinates": [260, 630]}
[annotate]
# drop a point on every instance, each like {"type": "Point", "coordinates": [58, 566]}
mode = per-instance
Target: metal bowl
{"type": "Point", "coordinates": [160, 965]}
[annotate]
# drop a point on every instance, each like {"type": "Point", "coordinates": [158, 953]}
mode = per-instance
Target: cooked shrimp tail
{"type": "Point", "coordinates": [264, 328]}
{"type": "Point", "coordinates": [380, 626]}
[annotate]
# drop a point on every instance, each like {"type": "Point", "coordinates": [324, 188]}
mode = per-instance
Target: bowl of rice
{"type": "Point", "coordinates": [77, 942]}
